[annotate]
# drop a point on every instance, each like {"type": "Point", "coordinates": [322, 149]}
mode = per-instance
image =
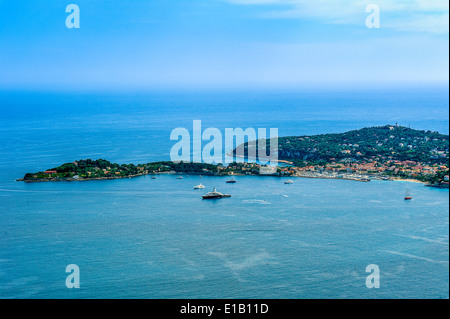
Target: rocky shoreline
{"type": "Point", "coordinates": [92, 170]}
{"type": "Point", "coordinates": [438, 185]}
{"type": "Point", "coordinates": [42, 180]}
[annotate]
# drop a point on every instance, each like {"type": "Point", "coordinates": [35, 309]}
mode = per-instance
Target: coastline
{"type": "Point", "coordinates": [230, 154]}
{"type": "Point", "coordinates": [409, 180]}
{"type": "Point", "coordinates": [43, 180]}
{"type": "Point", "coordinates": [331, 177]}
{"type": "Point", "coordinates": [101, 169]}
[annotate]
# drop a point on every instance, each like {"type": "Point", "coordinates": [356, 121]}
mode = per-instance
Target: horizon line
{"type": "Point", "coordinates": [346, 86]}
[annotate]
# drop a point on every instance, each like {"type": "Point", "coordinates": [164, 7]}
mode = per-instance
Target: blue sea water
{"type": "Point", "coordinates": [145, 238]}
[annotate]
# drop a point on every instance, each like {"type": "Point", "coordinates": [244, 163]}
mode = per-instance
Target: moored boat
{"type": "Point", "coordinates": [408, 195]}
{"type": "Point", "coordinates": [215, 195]}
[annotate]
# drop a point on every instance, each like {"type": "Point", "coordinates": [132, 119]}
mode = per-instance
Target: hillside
{"type": "Point", "coordinates": [380, 144]}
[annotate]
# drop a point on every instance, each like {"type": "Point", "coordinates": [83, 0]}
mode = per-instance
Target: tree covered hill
{"type": "Point", "coordinates": [97, 169]}
{"type": "Point", "coordinates": [381, 144]}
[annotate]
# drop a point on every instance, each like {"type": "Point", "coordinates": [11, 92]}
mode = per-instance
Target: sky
{"type": "Point", "coordinates": [143, 44]}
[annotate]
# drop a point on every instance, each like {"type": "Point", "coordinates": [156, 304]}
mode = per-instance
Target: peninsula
{"type": "Point", "coordinates": [385, 153]}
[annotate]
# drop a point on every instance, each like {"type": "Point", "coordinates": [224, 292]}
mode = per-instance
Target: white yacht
{"type": "Point", "coordinates": [200, 186]}
{"type": "Point", "coordinates": [289, 182]}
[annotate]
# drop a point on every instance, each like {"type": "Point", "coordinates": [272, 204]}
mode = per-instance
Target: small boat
{"type": "Point", "coordinates": [408, 195]}
{"type": "Point", "coordinates": [231, 181]}
{"type": "Point", "coordinates": [200, 186]}
{"type": "Point", "coordinates": [180, 177]}
{"type": "Point", "coordinates": [153, 177]}
{"type": "Point", "coordinates": [215, 195]}
{"type": "Point", "coordinates": [289, 182]}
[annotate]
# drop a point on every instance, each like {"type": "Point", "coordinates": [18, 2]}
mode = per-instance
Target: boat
{"type": "Point", "coordinates": [408, 195]}
{"type": "Point", "coordinates": [153, 177]}
{"type": "Point", "coordinates": [199, 186]}
{"type": "Point", "coordinates": [289, 182]}
{"type": "Point", "coordinates": [231, 181]}
{"type": "Point", "coordinates": [180, 177]}
{"type": "Point", "coordinates": [215, 195]}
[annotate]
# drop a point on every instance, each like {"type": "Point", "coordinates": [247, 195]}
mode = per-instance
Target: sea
{"type": "Point", "coordinates": [157, 238]}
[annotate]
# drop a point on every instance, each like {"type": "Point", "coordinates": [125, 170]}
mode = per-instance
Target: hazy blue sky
{"type": "Point", "coordinates": [221, 43]}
